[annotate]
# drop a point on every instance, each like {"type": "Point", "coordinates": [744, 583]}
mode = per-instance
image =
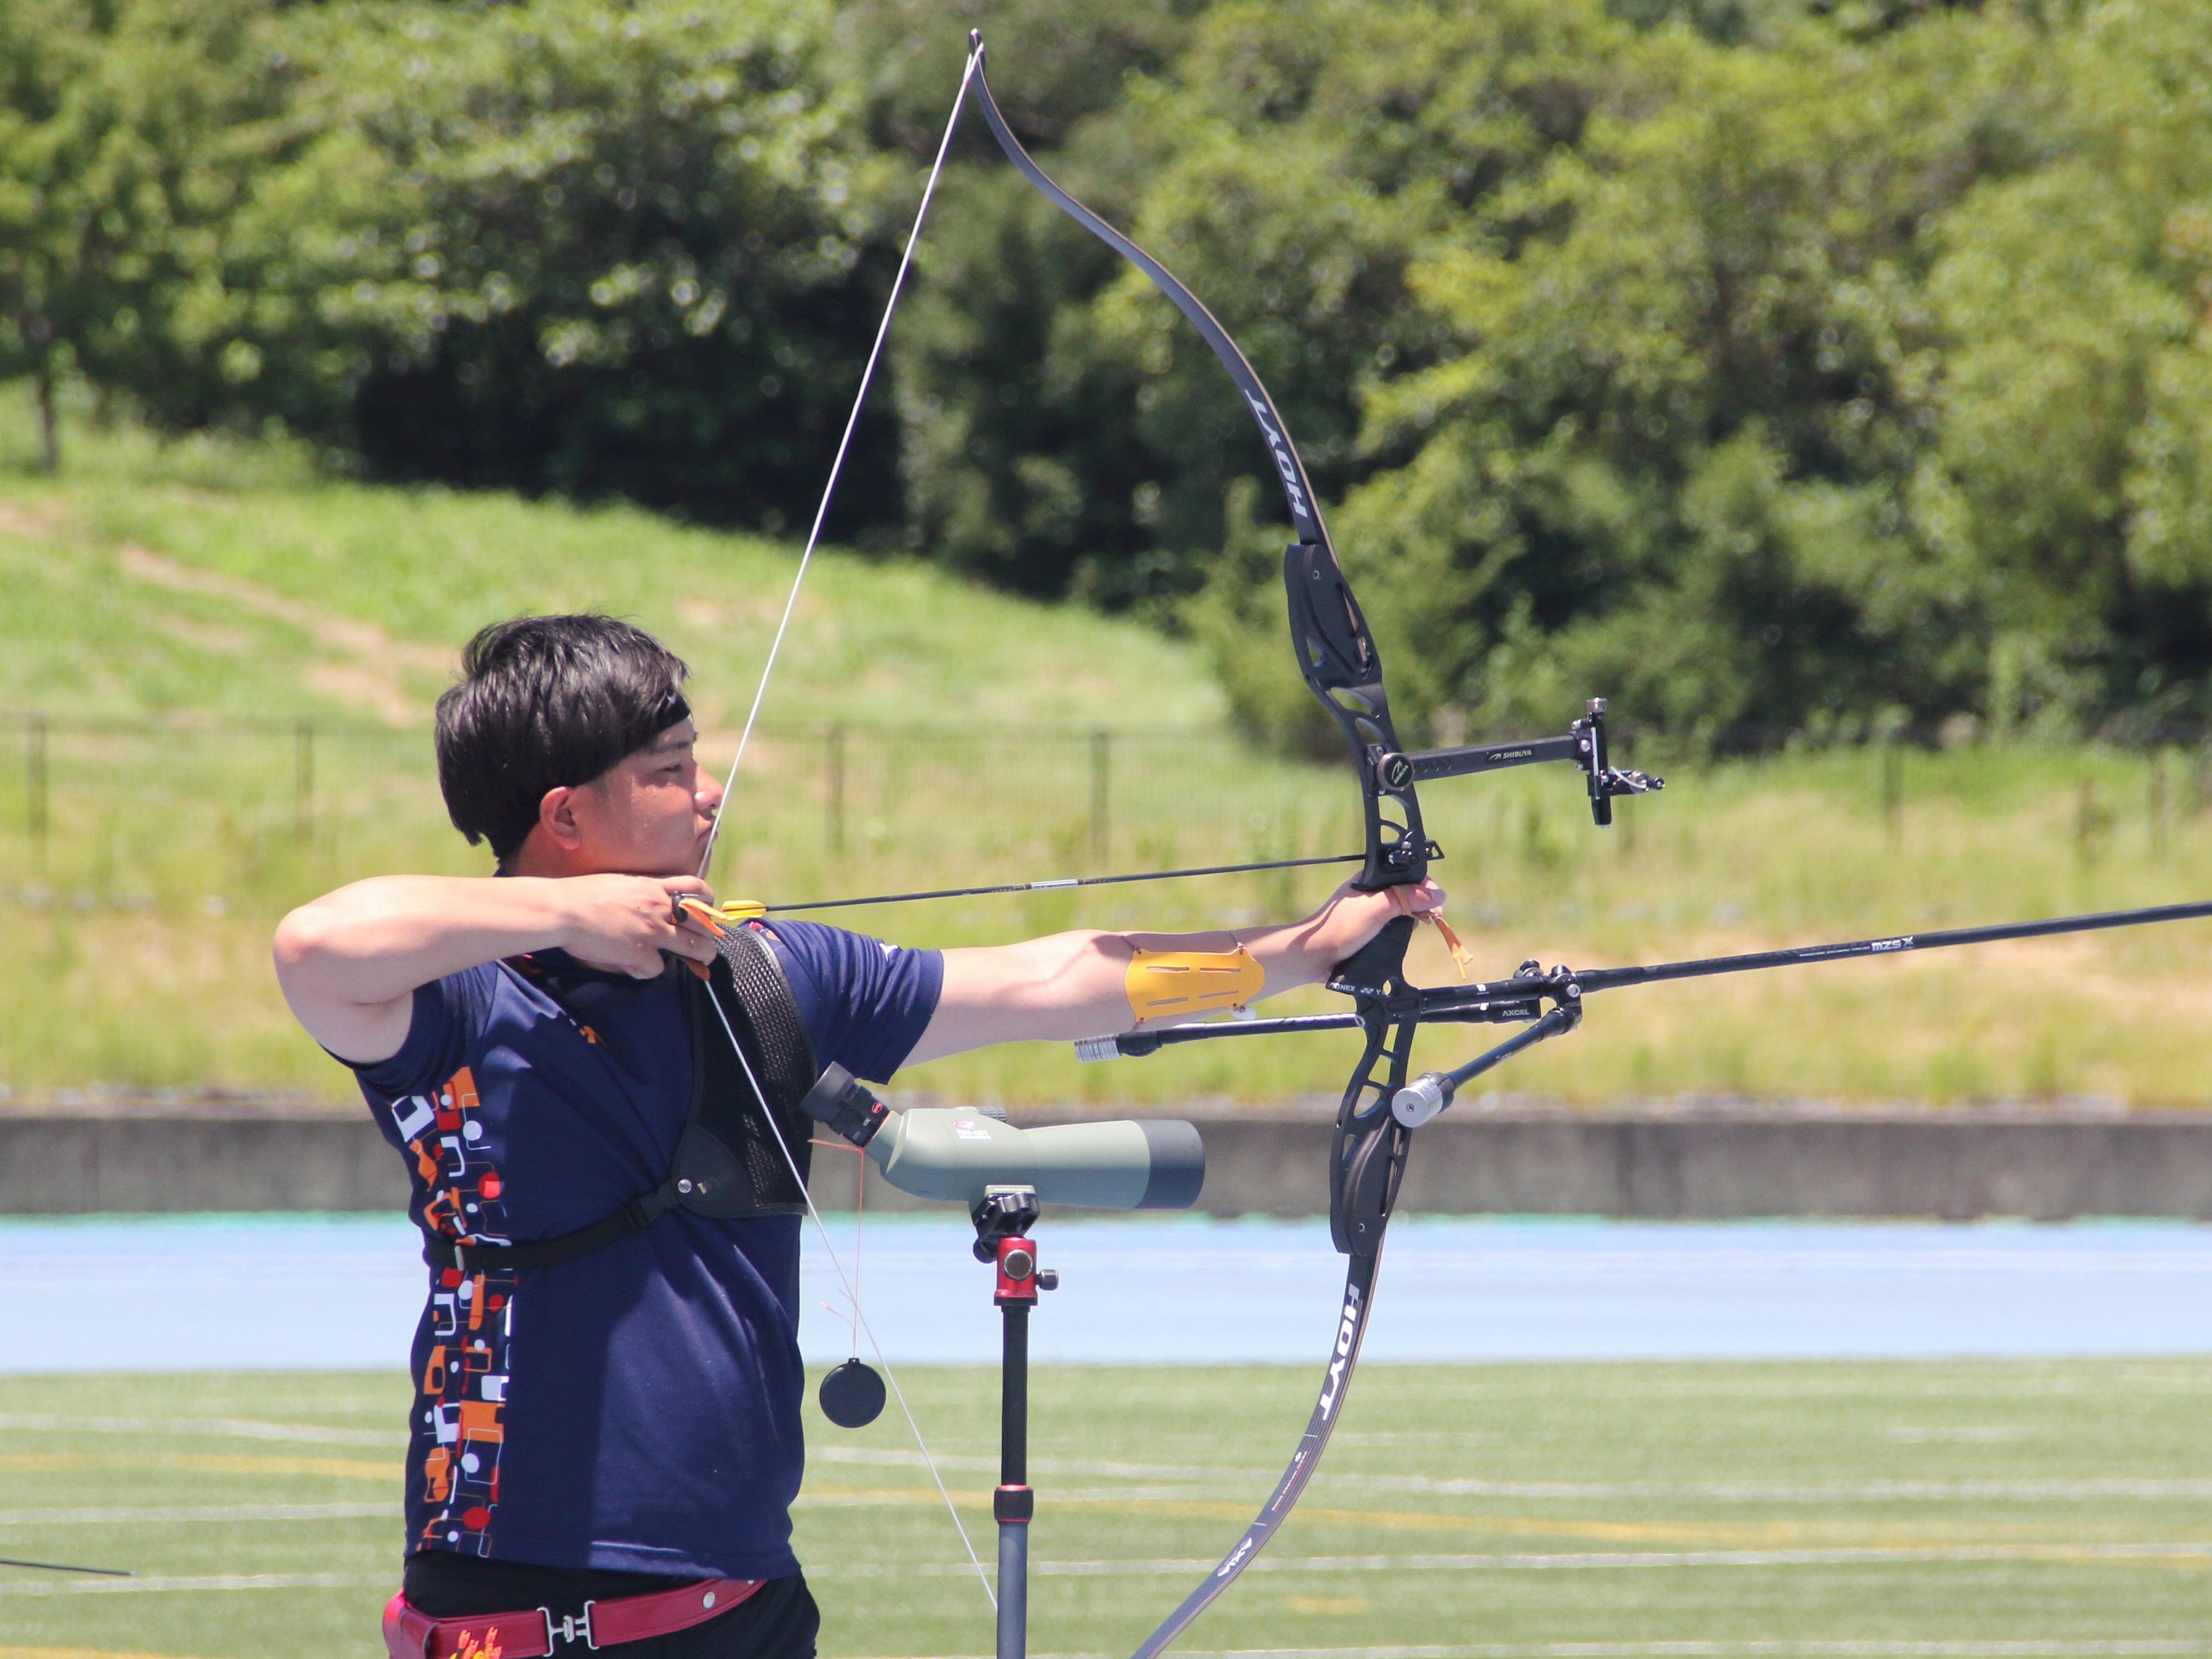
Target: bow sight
{"type": "Point", "coordinates": [1584, 746]}
{"type": "Point", "coordinates": [1339, 659]}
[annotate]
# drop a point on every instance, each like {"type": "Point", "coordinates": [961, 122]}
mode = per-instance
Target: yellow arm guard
{"type": "Point", "coordinates": [1174, 983]}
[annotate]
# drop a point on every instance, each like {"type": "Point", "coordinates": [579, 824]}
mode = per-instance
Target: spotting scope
{"type": "Point", "coordinates": [933, 1153]}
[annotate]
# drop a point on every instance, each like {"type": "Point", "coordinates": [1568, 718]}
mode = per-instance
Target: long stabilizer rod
{"type": "Point", "coordinates": [1433, 1091]}
{"type": "Point", "coordinates": [1522, 998]}
{"type": "Point", "coordinates": [1607, 979]}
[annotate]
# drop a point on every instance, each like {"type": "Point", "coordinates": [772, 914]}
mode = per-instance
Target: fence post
{"type": "Point", "coordinates": [2092, 819]}
{"type": "Point", "coordinates": [1101, 772]}
{"type": "Point", "coordinates": [303, 781]}
{"type": "Point", "coordinates": [835, 746]}
{"type": "Point", "coordinates": [1892, 791]}
{"type": "Point", "coordinates": [2158, 804]}
{"type": "Point", "coordinates": [34, 763]}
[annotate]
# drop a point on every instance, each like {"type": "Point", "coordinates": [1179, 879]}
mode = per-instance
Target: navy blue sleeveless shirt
{"type": "Point", "coordinates": [636, 1408]}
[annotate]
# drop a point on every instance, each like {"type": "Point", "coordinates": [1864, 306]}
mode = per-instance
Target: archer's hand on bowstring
{"type": "Point", "coordinates": [1088, 983]}
{"type": "Point", "coordinates": [631, 924]}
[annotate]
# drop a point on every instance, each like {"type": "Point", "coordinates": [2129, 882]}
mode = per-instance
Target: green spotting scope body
{"type": "Point", "coordinates": [931, 1152]}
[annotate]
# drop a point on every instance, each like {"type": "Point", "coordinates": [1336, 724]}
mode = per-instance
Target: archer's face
{"type": "Point", "coordinates": [649, 813]}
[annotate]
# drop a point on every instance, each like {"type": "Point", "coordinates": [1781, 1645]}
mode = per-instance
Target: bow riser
{"type": "Point", "coordinates": [1367, 1153]}
{"type": "Point", "coordinates": [1344, 670]}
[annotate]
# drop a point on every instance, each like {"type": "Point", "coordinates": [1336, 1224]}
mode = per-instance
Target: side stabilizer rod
{"type": "Point", "coordinates": [1430, 1092]}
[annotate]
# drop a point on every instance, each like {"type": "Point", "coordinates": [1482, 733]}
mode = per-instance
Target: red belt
{"type": "Point", "coordinates": [409, 1634]}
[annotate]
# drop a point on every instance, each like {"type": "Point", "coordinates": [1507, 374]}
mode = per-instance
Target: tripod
{"type": "Point", "coordinates": [1003, 1217]}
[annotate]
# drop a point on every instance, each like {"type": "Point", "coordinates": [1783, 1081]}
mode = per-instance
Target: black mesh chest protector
{"type": "Point", "coordinates": [728, 1163]}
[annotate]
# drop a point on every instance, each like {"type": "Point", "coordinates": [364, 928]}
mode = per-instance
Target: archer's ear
{"type": "Point", "coordinates": [556, 819]}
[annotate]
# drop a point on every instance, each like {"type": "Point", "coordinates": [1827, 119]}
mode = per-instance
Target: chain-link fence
{"type": "Point", "coordinates": [122, 811]}
{"type": "Point", "coordinates": [113, 811]}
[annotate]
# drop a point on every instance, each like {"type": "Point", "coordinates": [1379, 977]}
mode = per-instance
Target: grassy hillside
{"type": "Point", "coordinates": [226, 578]}
{"type": "Point", "coordinates": [177, 613]}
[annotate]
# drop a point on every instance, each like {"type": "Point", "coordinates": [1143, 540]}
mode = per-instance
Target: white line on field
{"type": "Point", "coordinates": [200, 1512]}
{"type": "Point", "coordinates": [223, 1428]}
{"type": "Point", "coordinates": [1729, 1492]}
{"type": "Point", "coordinates": [229, 1581]}
{"type": "Point", "coordinates": [1694, 1649]}
{"type": "Point", "coordinates": [1868, 1491]}
{"type": "Point", "coordinates": [1581, 1559]}
{"type": "Point", "coordinates": [901, 1495]}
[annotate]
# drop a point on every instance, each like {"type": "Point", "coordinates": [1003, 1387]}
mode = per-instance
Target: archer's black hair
{"type": "Point", "coordinates": [547, 703]}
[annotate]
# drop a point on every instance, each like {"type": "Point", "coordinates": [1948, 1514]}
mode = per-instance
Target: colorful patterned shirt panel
{"type": "Point", "coordinates": [638, 1407]}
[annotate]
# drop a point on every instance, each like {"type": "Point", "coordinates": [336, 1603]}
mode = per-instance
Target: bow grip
{"type": "Point", "coordinates": [1372, 969]}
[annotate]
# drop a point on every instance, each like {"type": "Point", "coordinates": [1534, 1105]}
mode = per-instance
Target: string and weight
{"type": "Point", "coordinates": [861, 1384]}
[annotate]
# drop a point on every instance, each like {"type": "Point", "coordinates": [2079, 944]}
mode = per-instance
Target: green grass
{"type": "Point", "coordinates": [1811, 1508]}
{"type": "Point", "coordinates": [303, 565]}
{"type": "Point", "coordinates": [179, 608]}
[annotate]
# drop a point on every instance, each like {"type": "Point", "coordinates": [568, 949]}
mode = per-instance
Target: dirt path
{"type": "Point", "coordinates": [372, 671]}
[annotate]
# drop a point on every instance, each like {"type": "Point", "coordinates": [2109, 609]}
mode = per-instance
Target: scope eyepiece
{"type": "Point", "coordinates": [845, 1104]}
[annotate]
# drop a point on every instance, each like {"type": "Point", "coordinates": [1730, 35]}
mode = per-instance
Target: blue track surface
{"type": "Point", "coordinates": [120, 1293]}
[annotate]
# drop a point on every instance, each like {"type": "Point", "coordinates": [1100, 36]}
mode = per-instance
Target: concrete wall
{"type": "Point", "coordinates": [1734, 1164]}
{"type": "Point", "coordinates": [72, 1165]}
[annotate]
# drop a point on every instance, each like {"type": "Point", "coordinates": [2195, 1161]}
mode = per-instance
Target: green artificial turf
{"type": "Point", "coordinates": [1925, 1509]}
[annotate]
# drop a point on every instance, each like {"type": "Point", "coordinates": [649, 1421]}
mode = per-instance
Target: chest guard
{"type": "Point", "coordinates": [728, 1165]}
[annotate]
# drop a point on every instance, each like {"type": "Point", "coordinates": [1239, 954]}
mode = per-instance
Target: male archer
{"type": "Point", "coordinates": [609, 1429]}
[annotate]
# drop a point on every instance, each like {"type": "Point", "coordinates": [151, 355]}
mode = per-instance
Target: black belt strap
{"type": "Point", "coordinates": [634, 1217]}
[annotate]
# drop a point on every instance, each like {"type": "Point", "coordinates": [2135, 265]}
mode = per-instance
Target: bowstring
{"type": "Point", "coordinates": [837, 464]}
{"type": "Point", "coordinates": [860, 1214]}
{"type": "Point", "coordinates": [851, 1297]}
{"type": "Point", "coordinates": [752, 715]}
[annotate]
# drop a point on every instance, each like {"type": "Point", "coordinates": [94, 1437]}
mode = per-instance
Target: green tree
{"type": "Point", "coordinates": [131, 132]}
{"type": "Point", "coordinates": [2074, 450]}
{"type": "Point", "coordinates": [1288, 162]}
{"type": "Point", "coordinates": [589, 246]}
{"type": "Point", "coordinates": [1665, 453]}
